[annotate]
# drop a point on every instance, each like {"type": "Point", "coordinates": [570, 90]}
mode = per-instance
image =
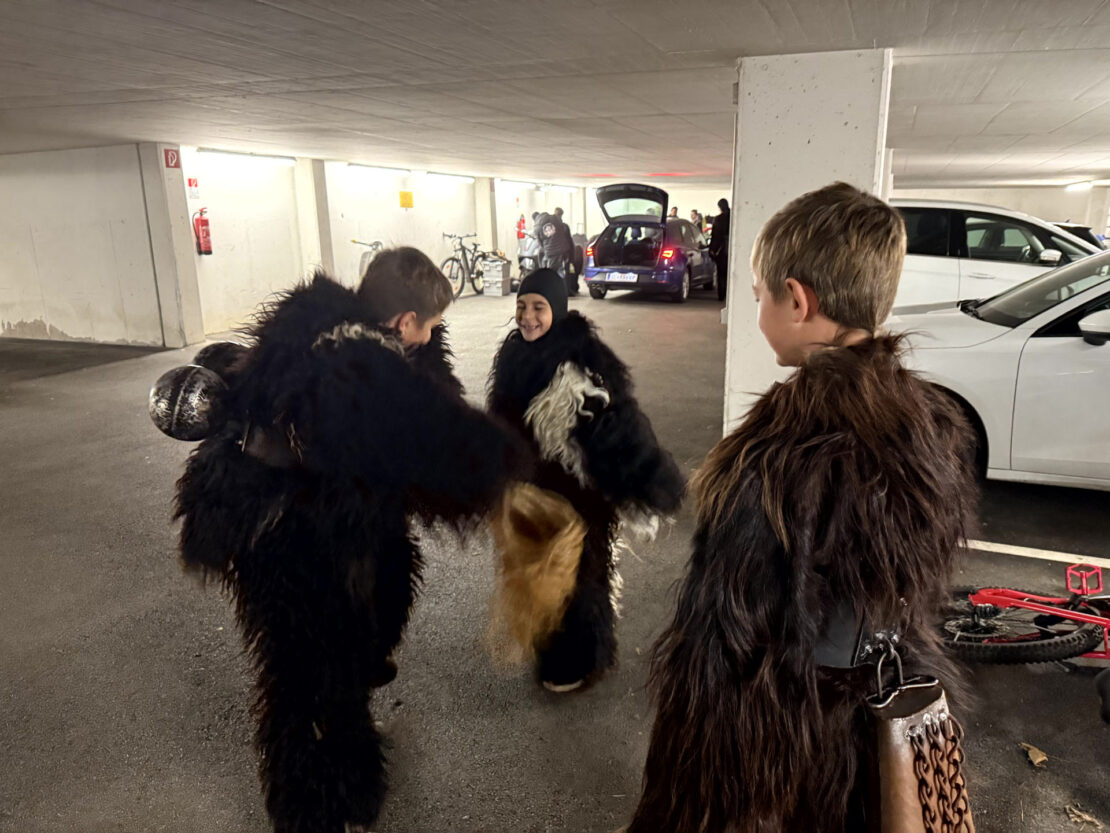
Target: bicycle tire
{"type": "Point", "coordinates": [478, 282]}
{"type": "Point", "coordinates": [453, 269]}
{"type": "Point", "coordinates": [974, 647]}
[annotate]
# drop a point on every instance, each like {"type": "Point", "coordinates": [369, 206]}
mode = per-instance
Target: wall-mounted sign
{"type": "Point", "coordinates": [194, 189]}
{"type": "Point", "coordinates": [406, 199]}
{"type": "Point", "coordinates": [173, 157]}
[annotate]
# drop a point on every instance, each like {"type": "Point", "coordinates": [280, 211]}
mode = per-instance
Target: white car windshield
{"type": "Point", "coordinates": [1017, 305]}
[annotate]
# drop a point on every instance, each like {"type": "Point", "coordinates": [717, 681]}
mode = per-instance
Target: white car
{"type": "Point", "coordinates": [957, 250]}
{"type": "Point", "coordinates": [1031, 368]}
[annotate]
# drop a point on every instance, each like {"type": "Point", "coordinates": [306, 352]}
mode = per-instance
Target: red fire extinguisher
{"type": "Point", "coordinates": [202, 233]}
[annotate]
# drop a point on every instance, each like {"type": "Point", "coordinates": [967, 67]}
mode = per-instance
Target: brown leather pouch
{"type": "Point", "coordinates": [918, 779]}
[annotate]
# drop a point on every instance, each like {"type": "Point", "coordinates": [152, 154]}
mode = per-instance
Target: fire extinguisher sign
{"type": "Point", "coordinates": [173, 157]}
{"type": "Point", "coordinates": [194, 188]}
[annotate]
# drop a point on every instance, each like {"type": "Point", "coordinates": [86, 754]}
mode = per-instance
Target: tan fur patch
{"type": "Point", "coordinates": [539, 537]}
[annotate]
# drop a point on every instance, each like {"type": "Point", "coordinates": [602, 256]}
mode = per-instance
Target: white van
{"type": "Point", "coordinates": [959, 250]}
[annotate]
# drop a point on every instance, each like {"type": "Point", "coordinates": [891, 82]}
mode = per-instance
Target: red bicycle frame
{"type": "Point", "coordinates": [1083, 580]}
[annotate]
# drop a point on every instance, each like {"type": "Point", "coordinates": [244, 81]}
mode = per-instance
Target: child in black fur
{"type": "Point", "coordinates": [571, 397]}
{"type": "Point", "coordinates": [842, 497]}
{"type": "Point", "coordinates": [346, 420]}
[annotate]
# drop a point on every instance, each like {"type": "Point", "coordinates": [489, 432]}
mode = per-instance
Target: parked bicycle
{"type": "Point", "coordinates": [367, 256]}
{"type": "Point", "coordinates": [1005, 626]}
{"type": "Point", "coordinates": [468, 263]}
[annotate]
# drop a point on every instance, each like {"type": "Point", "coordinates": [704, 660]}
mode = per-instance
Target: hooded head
{"type": "Point", "coordinates": [540, 302]}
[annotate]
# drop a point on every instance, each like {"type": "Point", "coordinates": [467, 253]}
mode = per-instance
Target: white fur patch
{"type": "Point", "coordinates": [639, 523]}
{"type": "Point", "coordinates": [555, 411]}
{"type": "Point", "coordinates": [354, 332]}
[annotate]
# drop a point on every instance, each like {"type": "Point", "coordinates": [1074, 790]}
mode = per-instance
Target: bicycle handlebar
{"type": "Point", "coordinates": [458, 236]}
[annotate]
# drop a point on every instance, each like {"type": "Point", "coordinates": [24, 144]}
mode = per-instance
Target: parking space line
{"type": "Point", "coordinates": [1032, 552]}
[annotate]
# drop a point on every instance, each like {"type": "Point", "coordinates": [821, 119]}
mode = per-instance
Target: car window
{"type": "Point", "coordinates": [1017, 305]}
{"type": "Point", "coordinates": [926, 231]}
{"type": "Point", "coordinates": [699, 238]}
{"type": "Point", "coordinates": [1070, 250]}
{"type": "Point", "coordinates": [688, 236]}
{"type": "Point", "coordinates": [1068, 325]}
{"type": "Point", "coordinates": [992, 237]}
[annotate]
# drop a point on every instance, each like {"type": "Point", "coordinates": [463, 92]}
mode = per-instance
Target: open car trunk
{"type": "Point", "coordinates": [628, 244]}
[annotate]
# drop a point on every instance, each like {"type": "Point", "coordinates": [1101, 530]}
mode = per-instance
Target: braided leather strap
{"type": "Point", "coordinates": [938, 760]}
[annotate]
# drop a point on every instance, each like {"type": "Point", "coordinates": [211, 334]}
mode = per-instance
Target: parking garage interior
{"type": "Point", "coordinates": [305, 130]}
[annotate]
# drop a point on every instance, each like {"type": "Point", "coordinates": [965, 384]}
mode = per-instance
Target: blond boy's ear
{"type": "Point", "coordinates": [803, 300]}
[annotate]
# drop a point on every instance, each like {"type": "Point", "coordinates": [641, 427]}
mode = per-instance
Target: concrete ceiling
{"type": "Point", "coordinates": [984, 91]}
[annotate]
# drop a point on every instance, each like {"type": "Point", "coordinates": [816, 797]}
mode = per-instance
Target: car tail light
{"type": "Point", "coordinates": [668, 254]}
{"type": "Point", "coordinates": [589, 251]}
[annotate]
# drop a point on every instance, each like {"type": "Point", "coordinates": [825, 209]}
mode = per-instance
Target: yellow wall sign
{"type": "Point", "coordinates": [406, 199]}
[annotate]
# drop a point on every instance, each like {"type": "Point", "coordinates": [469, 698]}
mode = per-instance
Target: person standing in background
{"type": "Point", "coordinates": [718, 247]}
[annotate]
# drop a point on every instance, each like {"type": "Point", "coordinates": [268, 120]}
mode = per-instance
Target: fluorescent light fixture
{"type": "Point", "coordinates": [238, 156]}
{"type": "Point", "coordinates": [519, 182]}
{"type": "Point", "coordinates": [458, 177]}
{"type": "Point", "coordinates": [377, 170]}
{"type": "Point", "coordinates": [571, 188]}
{"type": "Point", "coordinates": [1080, 186]}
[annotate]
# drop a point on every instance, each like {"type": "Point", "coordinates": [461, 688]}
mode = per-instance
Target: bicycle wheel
{"type": "Point", "coordinates": [1011, 636]}
{"type": "Point", "coordinates": [478, 281]}
{"type": "Point", "coordinates": [456, 275]}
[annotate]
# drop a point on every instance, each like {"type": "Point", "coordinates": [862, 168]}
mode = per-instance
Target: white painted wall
{"type": "Point", "coordinates": [365, 204]}
{"type": "Point", "coordinates": [252, 211]}
{"type": "Point", "coordinates": [76, 260]}
{"type": "Point", "coordinates": [1049, 203]}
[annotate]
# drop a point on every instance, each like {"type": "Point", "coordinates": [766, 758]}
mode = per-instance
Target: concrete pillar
{"type": "Point", "coordinates": [580, 224]}
{"type": "Point", "coordinates": [485, 211]}
{"type": "Point", "coordinates": [171, 244]}
{"type": "Point", "coordinates": [312, 235]}
{"type": "Point", "coordinates": [1098, 210]}
{"type": "Point", "coordinates": [310, 184]}
{"type": "Point", "coordinates": [804, 121]}
{"type": "Point", "coordinates": [888, 174]}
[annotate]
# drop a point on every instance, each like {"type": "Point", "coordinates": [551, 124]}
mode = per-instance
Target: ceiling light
{"type": "Point", "coordinates": [459, 177]}
{"type": "Point", "coordinates": [1080, 186]}
{"type": "Point", "coordinates": [238, 156]}
{"type": "Point", "coordinates": [384, 171]}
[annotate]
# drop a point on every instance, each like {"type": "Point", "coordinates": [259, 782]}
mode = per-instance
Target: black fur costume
{"type": "Point", "coordinates": [853, 480]}
{"type": "Point", "coordinates": [611, 464]}
{"type": "Point", "coordinates": [315, 544]}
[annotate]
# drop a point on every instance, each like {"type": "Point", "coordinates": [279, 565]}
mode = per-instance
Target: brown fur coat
{"type": "Point", "coordinates": [851, 480]}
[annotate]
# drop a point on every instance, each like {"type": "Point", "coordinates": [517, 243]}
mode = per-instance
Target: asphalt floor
{"type": "Point", "coordinates": [124, 691]}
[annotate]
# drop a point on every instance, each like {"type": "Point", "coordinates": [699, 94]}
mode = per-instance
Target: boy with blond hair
{"type": "Point", "coordinates": [835, 508]}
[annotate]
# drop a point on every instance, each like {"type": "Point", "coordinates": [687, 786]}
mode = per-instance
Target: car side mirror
{"type": "Point", "coordinates": [1096, 327]}
{"type": "Point", "coordinates": [1050, 257]}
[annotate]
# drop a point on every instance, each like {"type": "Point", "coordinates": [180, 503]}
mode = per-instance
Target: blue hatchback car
{"type": "Point", "coordinates": [642, 249]}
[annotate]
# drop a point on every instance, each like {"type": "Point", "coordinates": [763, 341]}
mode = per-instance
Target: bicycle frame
{"type": "Point", "coordinates": [1084, 581]}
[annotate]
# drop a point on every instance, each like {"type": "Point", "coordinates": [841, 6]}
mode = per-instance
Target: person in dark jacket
{"type": "Point", "coordinates": [345, 420]}
{"type": "Point", "coordinates": [555, 240]}
{"type": "Point", "coordinates": [848, 487]}
{"type": "Point", "coordinates": [718, 246]}
{"type": "Point", "coordinates": [572, 398]}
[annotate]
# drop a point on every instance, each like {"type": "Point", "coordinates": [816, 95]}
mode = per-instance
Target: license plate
{"type": "Point", "coordinates": [624, 277]}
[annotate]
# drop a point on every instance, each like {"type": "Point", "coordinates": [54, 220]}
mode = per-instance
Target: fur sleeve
{"type": "Point", "coordinates": [625, 460]}
{"type": "Point", "coordinates": [437, 360]}
{"type": "Point", "coordinates": [622, 453]}
{"type": "Point", "coordinates": [376, 419]}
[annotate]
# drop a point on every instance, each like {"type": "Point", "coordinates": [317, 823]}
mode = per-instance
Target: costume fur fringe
{"type": "Point", "coordinates": [539, 538]}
